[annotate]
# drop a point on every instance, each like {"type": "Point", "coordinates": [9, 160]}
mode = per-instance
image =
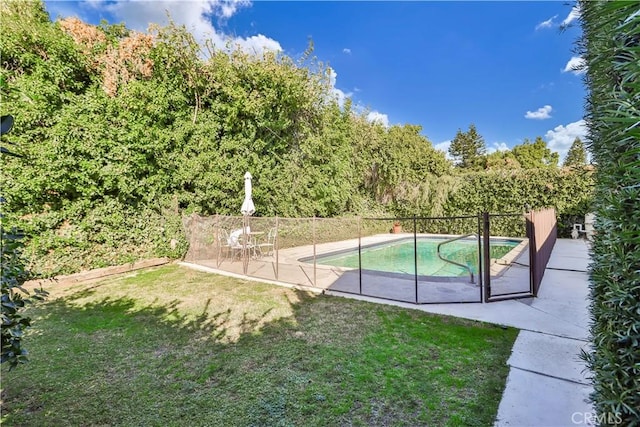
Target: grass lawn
{"type": "Point", "coordinates": [175, 347]}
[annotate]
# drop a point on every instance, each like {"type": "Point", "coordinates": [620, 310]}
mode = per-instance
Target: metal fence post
{"type": "Point", "coordinates": [275, 244]}
{"type": "Point", "coordinates": [533, 255]}
{"type": "Point", "coordinates": [531, 234]}
{"type": "Point", "coordinates": [360, 254]}
{"type": "Point", "coordinates": [415, 254]}
{"type": "Point", "coordinates": [486, 230]}
{"type": "Point", "coordinates": [313, 227]}
{"type": "Point", "coordinates": [480, 269]}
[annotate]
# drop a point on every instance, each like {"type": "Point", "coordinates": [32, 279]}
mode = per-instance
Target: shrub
{"type": "Point", "coordinates": [13, 276]}
{"type": "Point", "coordinates": [611, 35]}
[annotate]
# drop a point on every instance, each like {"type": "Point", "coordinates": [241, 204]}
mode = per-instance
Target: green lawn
{"type": "Point", "coordinates": [171, 346]}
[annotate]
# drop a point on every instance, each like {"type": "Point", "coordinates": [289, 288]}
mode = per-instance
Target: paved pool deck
{"type": "Point", "coordinates": [295, 266]}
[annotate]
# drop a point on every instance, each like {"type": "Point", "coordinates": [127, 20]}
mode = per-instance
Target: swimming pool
{"type": "Point", "coordinates": [398, 256]}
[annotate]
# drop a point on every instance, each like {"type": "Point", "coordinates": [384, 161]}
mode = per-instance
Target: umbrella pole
{"type": "Point", "coordinates": [245, 258]}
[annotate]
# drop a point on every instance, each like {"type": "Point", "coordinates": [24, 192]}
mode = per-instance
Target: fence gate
{"type": "Point", "coordinates": [544, 232]}
{"type": "Point", "coordinates": [519, 274]}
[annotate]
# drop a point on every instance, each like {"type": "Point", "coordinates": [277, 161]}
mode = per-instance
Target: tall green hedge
{"type": "Point", "coordinates": [611, 47]}
{"type": "Point", "coordinates": [568, 190]}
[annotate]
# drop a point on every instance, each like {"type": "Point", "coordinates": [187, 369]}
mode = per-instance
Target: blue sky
{"type": "Point", "coordinates": [504, 66]}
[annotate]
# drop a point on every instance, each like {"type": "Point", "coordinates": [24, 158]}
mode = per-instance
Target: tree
{"type": "Point", "coordinates": [467, 148]}
{"type": "Point", "coordinates": [577, 155]}
{"type": "Point", "coordinates": [535, 154]}
{"type": "Point", "coordinates": [404, 156]}
{"type": "Point", "coordinates": [501, 160]}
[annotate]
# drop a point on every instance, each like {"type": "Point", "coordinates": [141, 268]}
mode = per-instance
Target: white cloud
{"type": "Point", "coordinates": [443, 146]}
{"type": "Point", "coordinates": [546, 24]}
{"type": "Point", "coordinates": [195, 15]}
{"type": "Point", "coordinates": [137, 15]}
{"type": "Point", "coordinates": [333, 77]}
{"type": "Point", "coordinates": [346, 50]}
{"type": "Point", "coordinates": [572, 16]}
{"type": "Point", "coordinates": [340, 95]}
{"type": "Point", "coordinates": [545, 86]}
{"type": "Point", "coordinates": [576, 65]}
{"type": "Point", "coordinates": [257, 44]}
{"type": "Point", "coordinates": [561, 137]}
{"type": "Point", "coordinates": [375, 116]}
{"type": "Point", "coordinates": [497, 146]}
{"type": "Point", "coordinates": [228, 8]}
{"type": "Point", "coordinates": [541, 113]}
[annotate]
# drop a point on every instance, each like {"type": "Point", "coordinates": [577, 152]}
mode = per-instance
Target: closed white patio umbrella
{"type": "Point", "coordinates": [248, 207]}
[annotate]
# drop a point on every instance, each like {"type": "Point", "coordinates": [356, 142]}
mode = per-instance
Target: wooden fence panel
{"type": "Point", "coordinates": [543, 231]}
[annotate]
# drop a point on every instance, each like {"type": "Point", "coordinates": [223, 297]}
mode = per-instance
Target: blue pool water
{"type": "Point", "coordinates": [399, 256]}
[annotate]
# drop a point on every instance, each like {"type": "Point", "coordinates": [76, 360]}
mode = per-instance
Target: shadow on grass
{"type": "Point", "coordinates": [108, 312]}
{"type": "Point", "coordinates": [332, 362]}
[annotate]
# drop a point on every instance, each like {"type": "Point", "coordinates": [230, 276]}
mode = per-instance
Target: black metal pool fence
{"type": "Point", "coordinates": [467, 260]}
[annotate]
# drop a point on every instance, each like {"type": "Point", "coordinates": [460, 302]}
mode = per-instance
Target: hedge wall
{"type": "Point", "coordinates": [568, 190]}
{"type": "Point", "coordinates": [611, 40]}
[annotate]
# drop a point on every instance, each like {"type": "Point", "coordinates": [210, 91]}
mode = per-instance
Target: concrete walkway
{"type": "Point", "coordinates": [547, 384]}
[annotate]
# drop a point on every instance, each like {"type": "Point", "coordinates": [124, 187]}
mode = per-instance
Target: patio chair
{"type": "Point", "coordinates": [246, 245]}
{"type": "Point", "coordinates": [588, 229]}
{"type": "Point", "coordinates": [226, 243]}
{"type": "Point", "coordinates": [266, 248]}
{"type": "Point", "coordinates": [240, 241]}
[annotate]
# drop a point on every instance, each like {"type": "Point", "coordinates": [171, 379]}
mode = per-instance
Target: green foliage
{"type": "Point", "coordinates": [402, 157]}
{"type": "Point", "coordinates": [531, 155]}
{"type": "Point", "coordinates": [14, 297]}
{"type": "Point", "coordinates": [32, 46]}
{"type": "Point", "coordinates": [502, 160]}
{"type": "Point", "coordinates": [570, 193]}
{"type": "Point", "coordinates": [468, 149]}
{"type": "Point", "coordinates": [577, 155]}
{"type": "Point", "coordinates": [503, 191]}
{"type": "Point", "coordinates": [611, 34]}
{"type": "Point", "coordinates": [13, 276]}
{"type": "Point", "coordinates": [528, 155]}
{"type": "Point", "coordinates": [113, 31]}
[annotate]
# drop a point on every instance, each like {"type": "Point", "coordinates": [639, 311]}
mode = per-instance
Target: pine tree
{"type": "Point", "coordinates": [577, 155]}
{"type": "Point", "coordinates": [468, 148]}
